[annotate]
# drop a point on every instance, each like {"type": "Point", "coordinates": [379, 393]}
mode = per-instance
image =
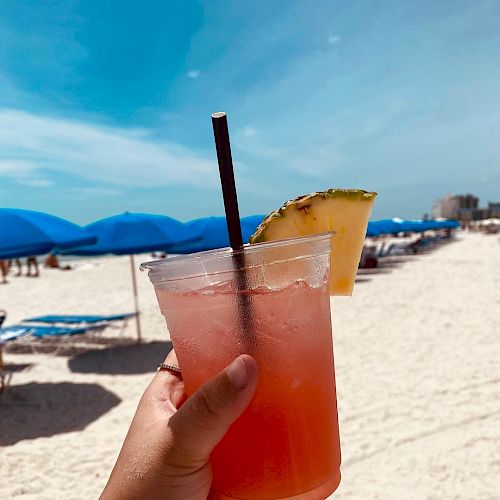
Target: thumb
{"type": "Point", "coordinates": [201, 422]}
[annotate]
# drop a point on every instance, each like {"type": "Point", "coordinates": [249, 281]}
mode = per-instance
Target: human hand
{"type": "Point", "coordinates": [167, 449]}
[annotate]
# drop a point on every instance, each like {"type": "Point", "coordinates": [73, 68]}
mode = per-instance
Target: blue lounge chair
{"type": "Point", "coordinates": [14, 332]}
{"type": "Point", "coordinates": [53, 327]}
{"type": "Point", "coordinates": [45, 332]}
{"type": "Point", "coordinates": [78, 319]}
{"type": "Point", "coordinates": [59, 331]}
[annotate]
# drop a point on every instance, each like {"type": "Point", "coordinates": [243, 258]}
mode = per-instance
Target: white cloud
{"type": "Point", "coordinates": [23, 172]}
{"type": "Point", "coordinates": [15, 168]}
{"type": "Point", "coordinates": [36, 182]}
{"type": "Point", "coordinates": [251, 142]}
{"type": "Point", "coordinates": [98, 191]}
{"type": "Point", "coordinates": [249, 132]}
{"type": "Point", "coordinates": [194, 73]}
{"type": "Point", "coordinates": [333, 39]}
{"type": "Point", "coordinates": [32, 144]}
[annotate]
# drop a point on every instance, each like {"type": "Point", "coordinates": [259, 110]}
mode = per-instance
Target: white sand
{"type": "Point", "coordinates": [417, 354]}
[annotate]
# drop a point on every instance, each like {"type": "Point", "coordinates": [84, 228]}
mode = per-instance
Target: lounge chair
{"type": "Point", "coordinates": [83, 320]}
{"type": "Point", "coordinates": [17, 332]}
{"type": "Point", "coordinates": [78, 319]}
{"type": "Point", "coordinates": [6, 335]}
{"type": "Point", "coordinates": [14, 332]}
{"type": "Point", "coordinates": [54, 327]}
{"type": "Point", "coordinates": [59, 331]}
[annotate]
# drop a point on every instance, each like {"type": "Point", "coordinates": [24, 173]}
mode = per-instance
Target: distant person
{"type": "Point", "coordinates": [18, 264]}
{"type": "Point", "coordinates": [32, 262]}
{"type": "Point", "coordinates": [4, 270]}
{"type": "Point", "coordinates": [52, 262]}
{"type": "Point", "coordinates": [368, 258]}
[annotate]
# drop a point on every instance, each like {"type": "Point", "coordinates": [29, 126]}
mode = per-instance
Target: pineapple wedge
{"type": "Point", "coordinates": [345, 211]}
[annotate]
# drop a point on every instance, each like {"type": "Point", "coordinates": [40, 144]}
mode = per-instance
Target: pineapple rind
{"type": "Point", "coordinates": [298, 202]}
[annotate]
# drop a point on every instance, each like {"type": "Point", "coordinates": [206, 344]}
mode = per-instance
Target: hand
{"type": "Point", "coordinates": [167, 449]}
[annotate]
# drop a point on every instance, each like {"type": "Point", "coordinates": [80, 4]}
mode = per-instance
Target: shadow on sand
{"type": "Point", "coordinates": [66, 346]}
{"type": "Point", "coordinates": [41, 410]}
{"type": "Point", "coordinates": [362, 280]}
{"type": "Point", "coordinates": [130, 359]}
{"type": "Point", "coordinates": [388, 264]}
{"type": "Point", "coordinates": [17, 367]}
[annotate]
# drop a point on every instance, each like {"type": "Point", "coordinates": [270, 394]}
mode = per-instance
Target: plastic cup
{"type": "Point", "coordinates": [271, 301]}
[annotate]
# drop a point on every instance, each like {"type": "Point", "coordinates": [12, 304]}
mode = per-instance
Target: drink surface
{"type": "Point", "coordinates": [286, 442]}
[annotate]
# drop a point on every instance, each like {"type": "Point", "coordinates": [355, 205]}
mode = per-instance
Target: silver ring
{"type": "Point", "coordinates": [172, 368]}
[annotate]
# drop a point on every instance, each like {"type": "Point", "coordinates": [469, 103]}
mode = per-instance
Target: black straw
{"type": "Point", "coordinates": [226, 171]}
{"type": "Point", "coordinates": [223, 147]}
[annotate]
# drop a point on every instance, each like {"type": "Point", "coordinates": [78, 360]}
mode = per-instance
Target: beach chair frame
{"type": "Point", "coordinates": [6, 376]}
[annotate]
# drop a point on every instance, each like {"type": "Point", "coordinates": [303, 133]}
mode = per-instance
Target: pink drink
{"type": "Point", "coordinates": [286, 444]}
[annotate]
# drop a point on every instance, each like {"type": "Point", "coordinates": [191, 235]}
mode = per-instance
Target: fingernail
{"type": "Point", "coordinates": [237, 373]}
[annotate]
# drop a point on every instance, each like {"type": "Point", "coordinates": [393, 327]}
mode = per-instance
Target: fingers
{"type": "Point", "coordinates": [167, 386]}
{"type": "Point", "coordinates": [206, 416]}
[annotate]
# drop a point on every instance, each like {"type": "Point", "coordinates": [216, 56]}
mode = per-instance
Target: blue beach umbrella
{"type": "Point", "coordinates": [249, 225]}
{"type": "Point", "coordinates": [26, 232]}
{"type": "Point", "coordinates": [214, 234]}
{"type": "Point", "coordinates": [131, 233]}
{"type": "Point", "coordinates": [372, 229]}
{"type": "Point", "coordinates": [394, 226]}
{"type": "Point", "coordinates": [410, 226]}
{"type": "Point", "coordinates": [439, 224]}
{"type": "Point", "coordinates": [386, 226]}
{"type": "Point", "coordinates": [419, 226]}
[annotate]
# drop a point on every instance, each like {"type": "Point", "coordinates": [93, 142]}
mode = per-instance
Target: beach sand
{"type": "Point", "coordinates": [417, 352]}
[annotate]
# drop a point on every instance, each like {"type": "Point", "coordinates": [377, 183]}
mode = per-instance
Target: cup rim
{"type": "Point", "coordinates": [162, 265]}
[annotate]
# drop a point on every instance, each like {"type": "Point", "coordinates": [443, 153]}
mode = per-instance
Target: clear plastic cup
{"type": "Point", "coordinates": [271, 301]}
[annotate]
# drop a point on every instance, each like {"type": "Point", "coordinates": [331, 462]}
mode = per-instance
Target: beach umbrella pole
{"type": "Point", "coordinates": [2, 379]}
{"type": "Point", "coordinates": [136, 301]}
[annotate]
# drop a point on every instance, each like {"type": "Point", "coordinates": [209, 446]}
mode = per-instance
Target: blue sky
{"type": "Point", "coordinates": [105, 106]}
